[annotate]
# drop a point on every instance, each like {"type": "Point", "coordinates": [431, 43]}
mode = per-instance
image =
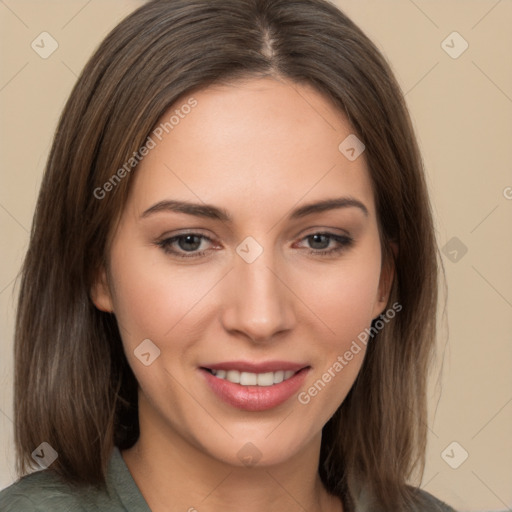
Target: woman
{"type": "Point", "coordinates": [229, 297]}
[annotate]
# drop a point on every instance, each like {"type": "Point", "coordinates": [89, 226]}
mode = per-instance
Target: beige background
{"type": "Point", "coordinates": [462, 110]}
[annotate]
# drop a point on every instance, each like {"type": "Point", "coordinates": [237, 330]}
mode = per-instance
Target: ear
{"type": "Point", "coordinates": [387, 276]}
{"type": "Point", "coordinates": [100, 292]}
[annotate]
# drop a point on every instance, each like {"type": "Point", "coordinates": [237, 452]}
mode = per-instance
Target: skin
{"type": "Point", "coordinates": [259, 149]}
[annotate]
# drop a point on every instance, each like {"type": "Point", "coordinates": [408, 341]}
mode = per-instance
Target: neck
{"type": "Point", "coordinates": [173, 474]}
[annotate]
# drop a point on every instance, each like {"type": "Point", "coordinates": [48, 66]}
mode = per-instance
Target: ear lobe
{"type": "Point", "coordinates": [100, 292]}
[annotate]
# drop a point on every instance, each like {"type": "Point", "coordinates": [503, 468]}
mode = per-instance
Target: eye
{"type": "Point", "coordinates": [192, 245]}
{"type": "Point", "coordinates": [321, 243]}
{"type": "Point", "coordinates": [185, 245]}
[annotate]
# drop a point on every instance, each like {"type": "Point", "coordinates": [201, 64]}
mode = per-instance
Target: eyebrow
{"type": "Point", "coordinates": [213, 212]}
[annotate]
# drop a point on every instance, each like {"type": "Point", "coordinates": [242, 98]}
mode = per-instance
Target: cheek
{"type": "Point", "coordinates": [343, 297]}
{"type": "Point", "coordinates": [343, 303]}
{"type": "Point", "coordinates": [150, 298]}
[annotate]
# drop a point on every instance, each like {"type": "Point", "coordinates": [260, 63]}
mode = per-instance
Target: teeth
{"type": "Point", "coordinates": [265, 379]}
{"type": "Point", "coordinates": [248, 379]}
{"type": "Point", "coordinates": [253, 379]}
{"type": "Point", "coordinates": [233, 376]}
{"type": "Point", "coordinates": [278, 376]}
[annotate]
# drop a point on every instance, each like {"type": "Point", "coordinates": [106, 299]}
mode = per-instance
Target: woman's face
{"type": "Point", "coordinates": [229, 260]}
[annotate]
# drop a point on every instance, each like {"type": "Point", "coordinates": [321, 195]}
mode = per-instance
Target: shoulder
{"type": "Point", "coordinates": [44, 491]}
{"type": "Point", "coordinates": [429, 503]}
{"type": "Point", "coordinates": [40, 491]}
{"type": "Point", "coordinates": [422, 501]}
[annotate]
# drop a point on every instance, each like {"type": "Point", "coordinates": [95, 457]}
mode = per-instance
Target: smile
{"type": "Point", "coordinates": [254, 387]}
{"type": "Point", "coordinates": [253, 379]}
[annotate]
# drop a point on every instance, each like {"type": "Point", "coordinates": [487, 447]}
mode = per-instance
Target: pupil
{"type": "Point", "coordinates": [186, 241]}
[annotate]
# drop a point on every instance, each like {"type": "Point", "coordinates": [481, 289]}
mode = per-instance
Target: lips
{"type": "Point", "coordinates": [254, 386]}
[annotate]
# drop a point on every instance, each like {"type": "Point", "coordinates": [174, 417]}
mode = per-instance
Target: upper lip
{"type": "Point", "coordinates": [251, 367]}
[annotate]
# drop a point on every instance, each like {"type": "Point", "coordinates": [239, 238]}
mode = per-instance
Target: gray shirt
{"type": "Point", "coordinates": [44, 491]}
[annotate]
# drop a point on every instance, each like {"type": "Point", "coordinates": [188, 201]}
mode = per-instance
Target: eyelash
{"type": "Point", "coordinates": [344, 243]}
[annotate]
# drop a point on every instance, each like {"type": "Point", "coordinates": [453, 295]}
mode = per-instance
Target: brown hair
{"type": "Point", "coordinates": [73, 386]}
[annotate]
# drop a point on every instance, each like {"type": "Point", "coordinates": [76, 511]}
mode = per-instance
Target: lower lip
{"type": "Point", "coordinates": [255, 398]}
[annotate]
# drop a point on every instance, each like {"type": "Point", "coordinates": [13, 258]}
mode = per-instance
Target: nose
{"type": "Point", "coordinates": [258, 304]}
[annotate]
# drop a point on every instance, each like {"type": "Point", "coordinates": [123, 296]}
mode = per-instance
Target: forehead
{"type": "Point", "coordinates": [251, 142]}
